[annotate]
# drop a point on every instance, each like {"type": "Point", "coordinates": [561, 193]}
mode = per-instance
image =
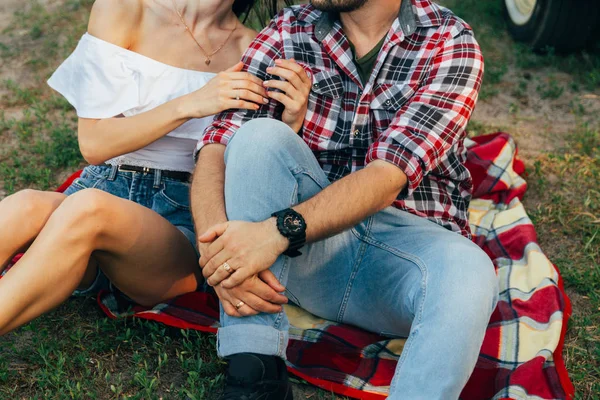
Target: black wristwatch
{"type": "Point", "coordinates": [292, 226]}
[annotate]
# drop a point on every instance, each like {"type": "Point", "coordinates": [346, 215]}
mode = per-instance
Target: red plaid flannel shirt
{"type": "Point", "coordinates": [412, 112]}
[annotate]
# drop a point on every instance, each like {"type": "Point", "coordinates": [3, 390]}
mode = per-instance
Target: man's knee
{"type": "Point", "coordinates": [469, 279]}
{"type": "Point", "coordinates": [259, 138]}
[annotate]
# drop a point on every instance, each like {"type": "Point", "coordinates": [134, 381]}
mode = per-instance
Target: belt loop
{"type": "Point", "coordinates": [157, 178]}
{"type": "Point", "coordinates": [113, 172]}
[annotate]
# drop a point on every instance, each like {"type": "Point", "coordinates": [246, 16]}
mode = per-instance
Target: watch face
{"type": "Point", "coordinates": [293, 223]}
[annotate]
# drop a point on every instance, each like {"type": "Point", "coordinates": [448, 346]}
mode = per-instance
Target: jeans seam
{"type": "Point", "coordinates": [300, 170]}
{"type": "Point", "coordinates": [281, 314]}
{"type": "Point", "coordinates": [281, 347]}
{"type": "Point", "coordinates": [286, 260]}
{"type": "Point", "coordinates": [419, 314]}
{"type": "Point", "coordinates": [292, 297]}
{"type": "Point", "coordinates": [361, 253]}
{"type": "Point", "coordinates": [408, 257]}
{"type": "Point", "coordinates": [403, 357]}
{"type": "Point", "coordinates": [98, 182]}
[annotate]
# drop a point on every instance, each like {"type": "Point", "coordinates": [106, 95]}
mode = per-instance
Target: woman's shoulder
{"type": "Point", "coordinates": [116, 21]}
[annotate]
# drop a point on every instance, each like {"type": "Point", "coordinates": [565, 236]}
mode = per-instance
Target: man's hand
{"type": "Point", "coordinates": [295, 89]}
{"type": "Point", "coordinates": [247, 247]}
{"type": "Point", "coordinates": [255, 295]}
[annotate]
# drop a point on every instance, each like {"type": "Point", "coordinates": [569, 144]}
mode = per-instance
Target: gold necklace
{"type": "Point", "coordinates": [187, 28]}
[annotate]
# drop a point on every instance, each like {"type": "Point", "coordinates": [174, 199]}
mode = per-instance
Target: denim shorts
{"type": "Point", "coordinates": [169, 198]}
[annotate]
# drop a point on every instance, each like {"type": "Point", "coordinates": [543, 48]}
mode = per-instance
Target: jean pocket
{"type": "Point", "coordinates": [176, 194]}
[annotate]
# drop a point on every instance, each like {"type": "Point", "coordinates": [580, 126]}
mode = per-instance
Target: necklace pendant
{"type": "Point", "coordinates": [207, 61]}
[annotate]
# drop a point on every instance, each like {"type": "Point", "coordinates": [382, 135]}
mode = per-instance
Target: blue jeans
{"type": "Point", "coordinates": [167, 197]}
{"type": "Point", "coordinates": [394, 273]}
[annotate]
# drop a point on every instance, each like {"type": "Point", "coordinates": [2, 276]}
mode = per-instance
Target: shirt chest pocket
{"type": "Point", "coordinates": [324, 108]}
{"type": "Point", "coordinates": [388, 99]}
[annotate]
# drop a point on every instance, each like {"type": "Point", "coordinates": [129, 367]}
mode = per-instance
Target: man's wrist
{"type": "Point", "coordinates": [281, 242]}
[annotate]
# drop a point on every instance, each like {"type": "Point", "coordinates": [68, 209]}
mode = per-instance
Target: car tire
{"type": "Point", "coordinates": [564, 25]}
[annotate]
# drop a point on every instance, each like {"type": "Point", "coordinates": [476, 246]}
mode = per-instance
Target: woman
{"type": "Point", "coordinates": [144, 83]}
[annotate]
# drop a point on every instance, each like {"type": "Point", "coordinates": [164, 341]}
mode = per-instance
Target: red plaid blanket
{"type": "Point", "coordinates": [521, 356]}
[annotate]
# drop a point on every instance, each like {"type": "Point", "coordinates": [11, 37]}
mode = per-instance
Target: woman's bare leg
{"type": "Point", "coordinates": [22, 217]}
{"type": "Point", "coordinates": [142, 253]}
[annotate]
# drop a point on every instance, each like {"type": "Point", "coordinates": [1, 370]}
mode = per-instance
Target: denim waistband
{"type": "Point", "coordinates": [157, 175]}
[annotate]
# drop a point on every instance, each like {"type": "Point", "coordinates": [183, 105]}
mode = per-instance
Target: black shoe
{"type": "Point", "coordinates": [257, 377]}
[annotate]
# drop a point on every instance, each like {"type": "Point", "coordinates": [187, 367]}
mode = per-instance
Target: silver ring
{"type": "Point", "coordinates": [239, 305]}
{"type": "Point", "coordinates": [226, 267]}
{"type": "Point", "coordinates": [237, 95]}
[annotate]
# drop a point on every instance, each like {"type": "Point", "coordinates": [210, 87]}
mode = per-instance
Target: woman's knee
{"type": "Point", "coordinates": [32, 207]}
{"type": "Point", "coordinates": [84, 210]}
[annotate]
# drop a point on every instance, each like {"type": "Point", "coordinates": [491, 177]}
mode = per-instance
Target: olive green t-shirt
{"type": "Point", "coordinates": [366, 63]}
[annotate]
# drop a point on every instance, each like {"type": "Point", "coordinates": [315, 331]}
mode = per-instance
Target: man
{"type": "Point", "coordinates": [362, 218]}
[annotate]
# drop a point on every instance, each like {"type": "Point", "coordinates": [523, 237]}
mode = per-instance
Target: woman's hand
{"type": "Point", "coordinates": [258, 294]}
{"type": "Point", "coordinates": [230, 89]}
{"type": "Point", "coordinates": [239, 250]}
{"type": "Point", "coordinates": [295, 88]}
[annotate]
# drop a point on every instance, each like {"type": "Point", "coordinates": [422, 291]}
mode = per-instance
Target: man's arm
{"type": "Point", "coordinates": [208, 201]}
{"type": "Point", "coordinates": [208, 208]}
{"type": "Point", "coordinates": [348, 201]}
{"type": "Point", "coordinates": [420, 136]}
{"type": "Point", "coordinates": [261, 292]}
{"type": "Point", "coordinates": [254, 246]}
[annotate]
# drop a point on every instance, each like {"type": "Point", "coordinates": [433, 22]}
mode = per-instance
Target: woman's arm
{"type": "Point", "coordinates": [115, 21]}
{"type": "Point", "coordinates": [103, 139]}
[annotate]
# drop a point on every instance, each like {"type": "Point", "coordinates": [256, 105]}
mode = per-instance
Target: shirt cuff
{"type": "Point", "coordinates": [213, 136]}
{"type": "Point", "coordinates": [403, 159]}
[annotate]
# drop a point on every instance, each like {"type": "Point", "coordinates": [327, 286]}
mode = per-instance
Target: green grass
{"type": "Point", "coordinates": [550, 89]}
{"type": "Point", "coordinates": [96, 358]}
{"type": "Point", "coordinates": [567, 215]}
{"type": "Point", "coordinates": [76, 353]}
{"type": "Point", "coordinates": [41, 146]}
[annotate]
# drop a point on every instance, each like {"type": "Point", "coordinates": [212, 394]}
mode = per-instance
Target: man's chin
{"type": "Point", "coordinates": [338, 6]}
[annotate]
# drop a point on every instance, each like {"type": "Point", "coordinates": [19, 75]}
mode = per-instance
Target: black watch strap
{"type": "Point", "coordinates": [295, 244]}
{"type": "Point", "coordinates": [293, 227]}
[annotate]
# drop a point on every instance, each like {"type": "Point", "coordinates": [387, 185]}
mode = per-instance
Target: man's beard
{"type": "Point", "coordinates": [338, 5]}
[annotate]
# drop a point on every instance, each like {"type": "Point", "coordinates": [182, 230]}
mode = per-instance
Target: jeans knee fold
{"type": "Point", "coordinates": [259, 137]}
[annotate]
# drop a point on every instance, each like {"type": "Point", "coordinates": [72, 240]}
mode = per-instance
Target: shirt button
{"type": "Point", "coordinates": [388, 102]}
{"type": "Point", "coordinates": [356, 133]}
{"type": "Point", "coordinates": [316, 85]}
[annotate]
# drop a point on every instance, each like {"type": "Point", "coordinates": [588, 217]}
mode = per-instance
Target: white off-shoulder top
{"type": "Point", "coordinates": [103, 80]}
